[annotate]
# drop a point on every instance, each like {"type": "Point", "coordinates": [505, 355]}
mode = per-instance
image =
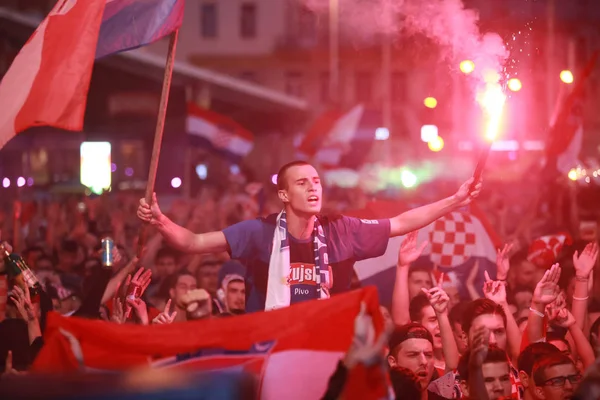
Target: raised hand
{"type": "Point", "coordinates": [502, 261]}
{"type": "Point", "coordinates": [365, 349]}
{"type": "Point", "coordinates": [141, 310]}
{"type": "Point", "coordinates": [409, 251]}
{"type": "Point", "coordinates": [438, 298]}
{"type": "Point", "coordinates": [547, 290]}
{"type": "Point", "coordinates": [479, 345]}
{"type": "Point", "coordinates": [141, 279]}
{"type": "Point", "coordinates": [149, 212]}
{"type": "Point", "coordinates": [464, 196]}
{"type": "Point", "coordinates": [22, 300]}
{"type": "Point", "coordinates": [494, 290]}
{"type": "Point", "coordinates": [165, 317]}
{"type": "Point", "coordinates": [118, 314]}
{"type": "Point", "coordinates": [584, 263]}
{"type": "Point", "coordinates": [563, 318]}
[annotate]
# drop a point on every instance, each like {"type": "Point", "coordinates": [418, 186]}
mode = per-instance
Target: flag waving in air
{"type": "Point", "coordinates": [48, 81]}
{"type": "Point", "coordinates": [461, 245]}
{"type": "Point", "coordinates": [293, 351]}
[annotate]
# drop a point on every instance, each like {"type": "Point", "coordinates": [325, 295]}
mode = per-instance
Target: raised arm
{"type": "Point", "coordinates": [584, 265]}
{"type": "Point", "coordinates": [177, 236]}
{"type": "Point", "coordinates": [423, 216]}
{"type": "Point", "coordinates": [496, 291]}
{"type": "Point", "coordinates": [439, 301]}
{"type": "Point", "coordinates": [546, 291]}
{"type": "Point", "coordinates": [409, 252]}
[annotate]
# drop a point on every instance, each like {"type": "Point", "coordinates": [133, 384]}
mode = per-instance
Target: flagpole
{"type": "Point", "coordinates": [158, 133]}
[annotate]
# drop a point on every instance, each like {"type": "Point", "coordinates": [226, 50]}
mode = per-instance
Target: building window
{"type": "Point", "coordinates": [324, 87]}
{"type": "Point", "coordinates": [293, 83]}
{"type": "Point", "coordinates": [398, 86]}
{"type": "Point", "coordinates": [363, 86]}
{"type": "Point", "coordinates": [208, 19]}
{"type": "Point", "coordinates": [307, 24]}
{"type": "Point", "coordinates": [248, 20]}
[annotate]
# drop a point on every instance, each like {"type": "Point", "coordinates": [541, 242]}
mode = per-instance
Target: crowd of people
{"type": "Point", "coordinates": [533, 334]}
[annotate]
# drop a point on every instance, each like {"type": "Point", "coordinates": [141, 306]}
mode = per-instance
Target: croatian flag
{"type": "Point", "coordinates": [219, 133]}
{"type": "Point", "coordinates": [461, 245]}
{"type": "Point", "coordinates": [48, 81]}
{"type": "Point", "coordinates": [340, 139]}
{"type": "Point", "coordinates": [293, 351]}
{"type": "Point", "coordinates": [565, 137]}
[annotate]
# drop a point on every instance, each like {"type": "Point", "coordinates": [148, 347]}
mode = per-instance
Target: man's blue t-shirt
{"type": "Point", "coordinates": [348, 240]}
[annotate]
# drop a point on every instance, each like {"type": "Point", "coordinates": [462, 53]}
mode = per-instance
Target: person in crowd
{"type": "Point", "coordinates": [495, 370]}
{"type": "Point", "coordinates": [430, 308]}
{"type": "Point", "coordinates": [207, 273]}
{"type": "Point", "coordinates": [545, 294]}
{"type": "Point", "coordinates": [455, 317]}
{"type": "Point", "coordinates": [180, 284]}
{"type": "Point", "coordinates": [555, 377]}
{"type": "Point", "coordinates": [308, 249]}
{"type": "Point", "coordinates": [166, 263]}
{"type": "Point", "coordinates": [526, 360]}
{"type": "Point", "coordinates": [231, 296]}
{"type": "Point", "coordinates": [411, 348]}
{"type": "Point", "coordinates": [486, 313]}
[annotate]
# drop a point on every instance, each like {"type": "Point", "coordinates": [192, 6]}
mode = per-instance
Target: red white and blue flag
{"type": "Point", "coordinates": [460, 244]}
{"type": "Point", "coordinates": [48, 81]}
{"type": "Point", "coordinates": [293, 350]}
{"type": "Point", "coordinates": [219, 133]}
{"type": "Point", "coordinates": [340, 138]}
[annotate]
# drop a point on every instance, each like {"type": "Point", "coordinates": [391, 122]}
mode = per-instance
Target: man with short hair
{"type": "Point", "coordinates": [179, 285]}
{"type": "Point", "coordinates": [526, 361]}
{"type": "Point", "coordinates": [299, 254]}
{"type": "Point", "coordinates": [165, 264]}
{"type": "Point", "coordinates": [411, 347]}
{"type": "Point", "coordinates": [232, 295]}
{"type": "Point", "coordinates": [496, 373]}
{"type": "Point", "coordinates": [418, 277]}
{"type": "Point", "coordinates": [555, 377]}
{"type": "Point", "coordinates": [491, 315]}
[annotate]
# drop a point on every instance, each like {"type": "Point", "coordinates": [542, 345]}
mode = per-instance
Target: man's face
{"type": "Point", "coordinates": [496, 326]}
{"type": "Point", "coordinates": [497, 379]}
{"type": "Point", "coordinates": [304, 192]}
{"type": "Point", "coordinates": [165, 266]}
{"type": "Point", "coordinates": [460, 338]}
{"type": "Point", "coordinates": [525, 275]}
{"type": "Point", "coordinates": [208, 278]}
{"type": "Point", "coordinates": [523, 300]}
{"type": "Point", "coordinates": [417, 356]}
{"type": "Point", "coordinates": [418, 280]}
{"type": "Point", "coordinates": [430, 321]}
{"type": "Point", "coordinates": [236, 296]}
{"type": "Point", "coordinates": [184, 284]}
{"type": "Point", "coordinates": [552, 388]}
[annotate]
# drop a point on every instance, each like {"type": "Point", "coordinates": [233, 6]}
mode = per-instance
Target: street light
{"type": "Point", "coordinates": [515, 84]}
{"type": "Point", "coordinates": [467, 66]}
{"type": "Point", "coordinates": [566, 76]}
{"type": "Point", "coordinates": [430, 102]}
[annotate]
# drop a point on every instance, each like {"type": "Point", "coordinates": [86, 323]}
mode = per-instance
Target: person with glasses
{"type": "Point", "coordinates": [555, 377]}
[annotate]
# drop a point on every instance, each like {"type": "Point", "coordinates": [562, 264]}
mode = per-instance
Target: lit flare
{"type": "Point", "coordinates": [492, 101]}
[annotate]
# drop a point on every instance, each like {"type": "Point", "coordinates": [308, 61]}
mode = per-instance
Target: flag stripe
{"type": "Point", "coordinates": [48, 81]}
{"type": "Point", "coordinates": [128, 24]}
